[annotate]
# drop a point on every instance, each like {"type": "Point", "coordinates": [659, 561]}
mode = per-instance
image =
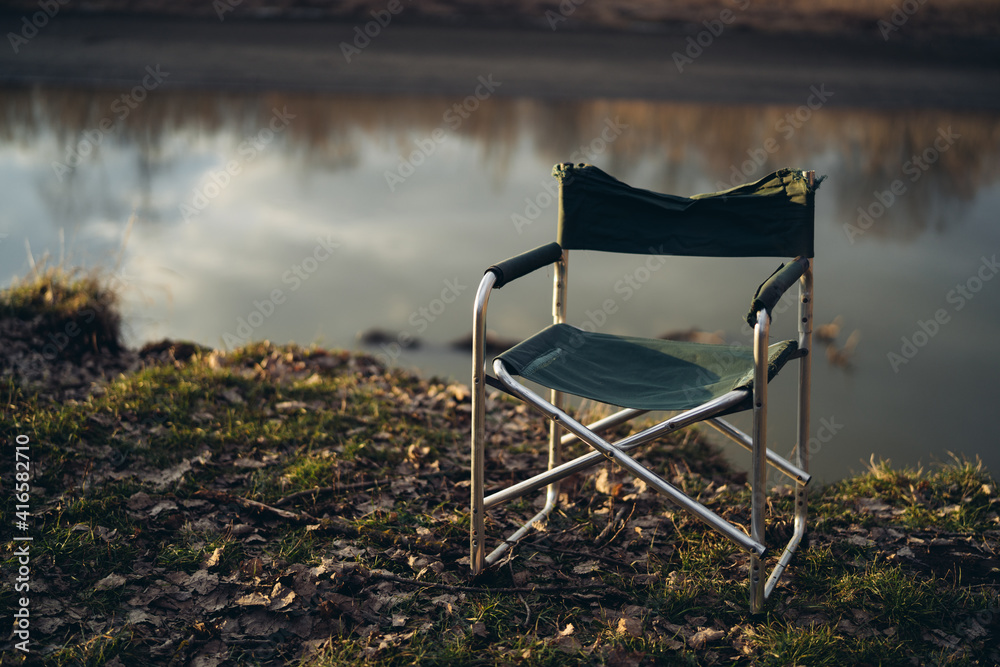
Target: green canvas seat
{"type": "Point", "coordinates": [640, 373]}
{"type": "Point", "coordinates": [770, 217]}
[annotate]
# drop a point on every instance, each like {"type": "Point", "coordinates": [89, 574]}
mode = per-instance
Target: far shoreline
{"type": "Point", "coordinates": [738, 66]}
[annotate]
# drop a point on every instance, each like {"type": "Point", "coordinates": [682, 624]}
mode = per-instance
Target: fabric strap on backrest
{"type": "Point", "coordinates": [771, 217]}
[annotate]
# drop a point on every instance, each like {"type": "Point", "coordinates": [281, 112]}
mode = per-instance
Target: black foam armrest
{"type": "Point", "coordinates": [772, 289]}
{"type": "Point", "coordinates": [523, 264]}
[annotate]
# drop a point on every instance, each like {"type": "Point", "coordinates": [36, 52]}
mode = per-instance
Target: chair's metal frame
{"type": "Point", "coordinates": [754, 543]}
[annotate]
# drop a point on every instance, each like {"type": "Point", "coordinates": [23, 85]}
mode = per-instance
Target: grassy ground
{"type": "Point", "coordinates": [281, 505]}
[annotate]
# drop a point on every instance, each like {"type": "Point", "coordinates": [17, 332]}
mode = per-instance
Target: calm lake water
{"type": "Point", "coordinates": [313, 218]}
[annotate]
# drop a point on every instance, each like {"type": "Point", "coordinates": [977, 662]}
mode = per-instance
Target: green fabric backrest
{"type": "Point", "coordinates": [771, 217]}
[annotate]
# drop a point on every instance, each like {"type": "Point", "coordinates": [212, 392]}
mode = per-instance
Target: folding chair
{"type": "Point", "coordinates": [772, 217]}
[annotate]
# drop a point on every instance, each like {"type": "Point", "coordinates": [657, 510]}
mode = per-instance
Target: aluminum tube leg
{"type": "Point", "coordinates": [805, 381]}
{"type": "Point", "coordinates": [494, 556]}
{"type": "Point", "coordinates": [477, 534]}
{"type": "Point", "coordinates": [610, 421]}
{"type": "Point", "coordinates": [786, 556]}
{"type": "Point", "coordinates": [552, 493]}
{"type": "Point", "coordinates": [758, 462]}
{"type": "Point", "coordinates": [616, 455]}
{"type": "Point", "coordinates": [559, 278]}
{"type": "Point", "coordinates": [743, 440]}
{"type": "Point", "coordinates": [801, 448]}
{"type": "Point", "coordinates": [581, 463]}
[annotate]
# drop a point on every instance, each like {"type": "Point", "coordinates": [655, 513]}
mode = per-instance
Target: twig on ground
{"type": "Point", "coordinates": [624, 523]}
{"type": "Point", "coordinates": [479, 589]}
{"type": "Point", "coordinates": [354, 486]}
{"type": "Point", "coordinates": [219, 496]}
{"type": "Point", "coordinates": [614, 522]}
{"type": "Point", "coordinates": [581, 554]}
{"type": "Point", "coordinates": [324, 490]}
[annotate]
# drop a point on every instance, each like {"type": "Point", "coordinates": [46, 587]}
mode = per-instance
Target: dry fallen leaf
{"type": "Point", "coordinates": [281, 597]}
{"type": "Point", "coordinates": [139, 501]}
{"type": "Point", "coordinates": [201, 582]}
{"type": "Point", "coordinates": [137, 616]}
{"type": "Point", "coordinates": [586, 568]}
{"type": "Point", "coordinates": [162, 506]}
{"type": "Point", "coordinates": [629, 626]}
{"type": "Point", "coordinates": [703, 637]}
{"type": "Point", "coordinates": [212, 560]}
{"type": "Point", "coordinates": [109, 582]}
{"type": "Point", "coordinates": [621, 657]}
{"type": "Point", "coordinates": [567, 644]}
{"type": "Point", "coordinates": [253, 599]}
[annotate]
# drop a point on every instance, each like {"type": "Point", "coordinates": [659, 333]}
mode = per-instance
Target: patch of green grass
{"type": "Point", "coordinates": [958, 497]}
{"type": "Point", "coordinates": [98, 650]}
{"type": "Point", "coordinates": [76, 309]}
{"type": "Point", "coordinates": [89, 548]}
{"type": "Point", "coordinates": [189, 551]}
{"type": "Point", "coordinates": [894, 596]}
{"type": "Point", "coordinates": [783, 644]}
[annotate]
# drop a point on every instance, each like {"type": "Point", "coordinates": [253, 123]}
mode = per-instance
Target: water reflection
{"type": "Point", "coordinates": [674, 145]}
{"type": "Point", "coordinates": [319, 185]}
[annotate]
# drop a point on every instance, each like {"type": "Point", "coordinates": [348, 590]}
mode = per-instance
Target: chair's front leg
{"type": "Point", "coordinates": [477, 535]}
{"type": "Point", "coordinates": [805, 379]}
{"type": "Point", "coordinates": [758, 460]}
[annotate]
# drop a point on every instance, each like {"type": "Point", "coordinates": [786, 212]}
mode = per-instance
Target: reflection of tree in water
{"type": "Point", "coordinates": [863, 151]}
{"type": "Point", "coordinates": [682, 148]}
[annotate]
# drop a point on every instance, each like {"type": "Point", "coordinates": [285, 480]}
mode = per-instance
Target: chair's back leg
{"type": "Point", "coordinates": [559, 279]}
{"type": "Point", "coordinates": [758, 461]}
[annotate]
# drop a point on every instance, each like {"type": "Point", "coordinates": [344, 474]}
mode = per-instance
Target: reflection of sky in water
{"type": "Point", "coordinates": [322, 180]}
